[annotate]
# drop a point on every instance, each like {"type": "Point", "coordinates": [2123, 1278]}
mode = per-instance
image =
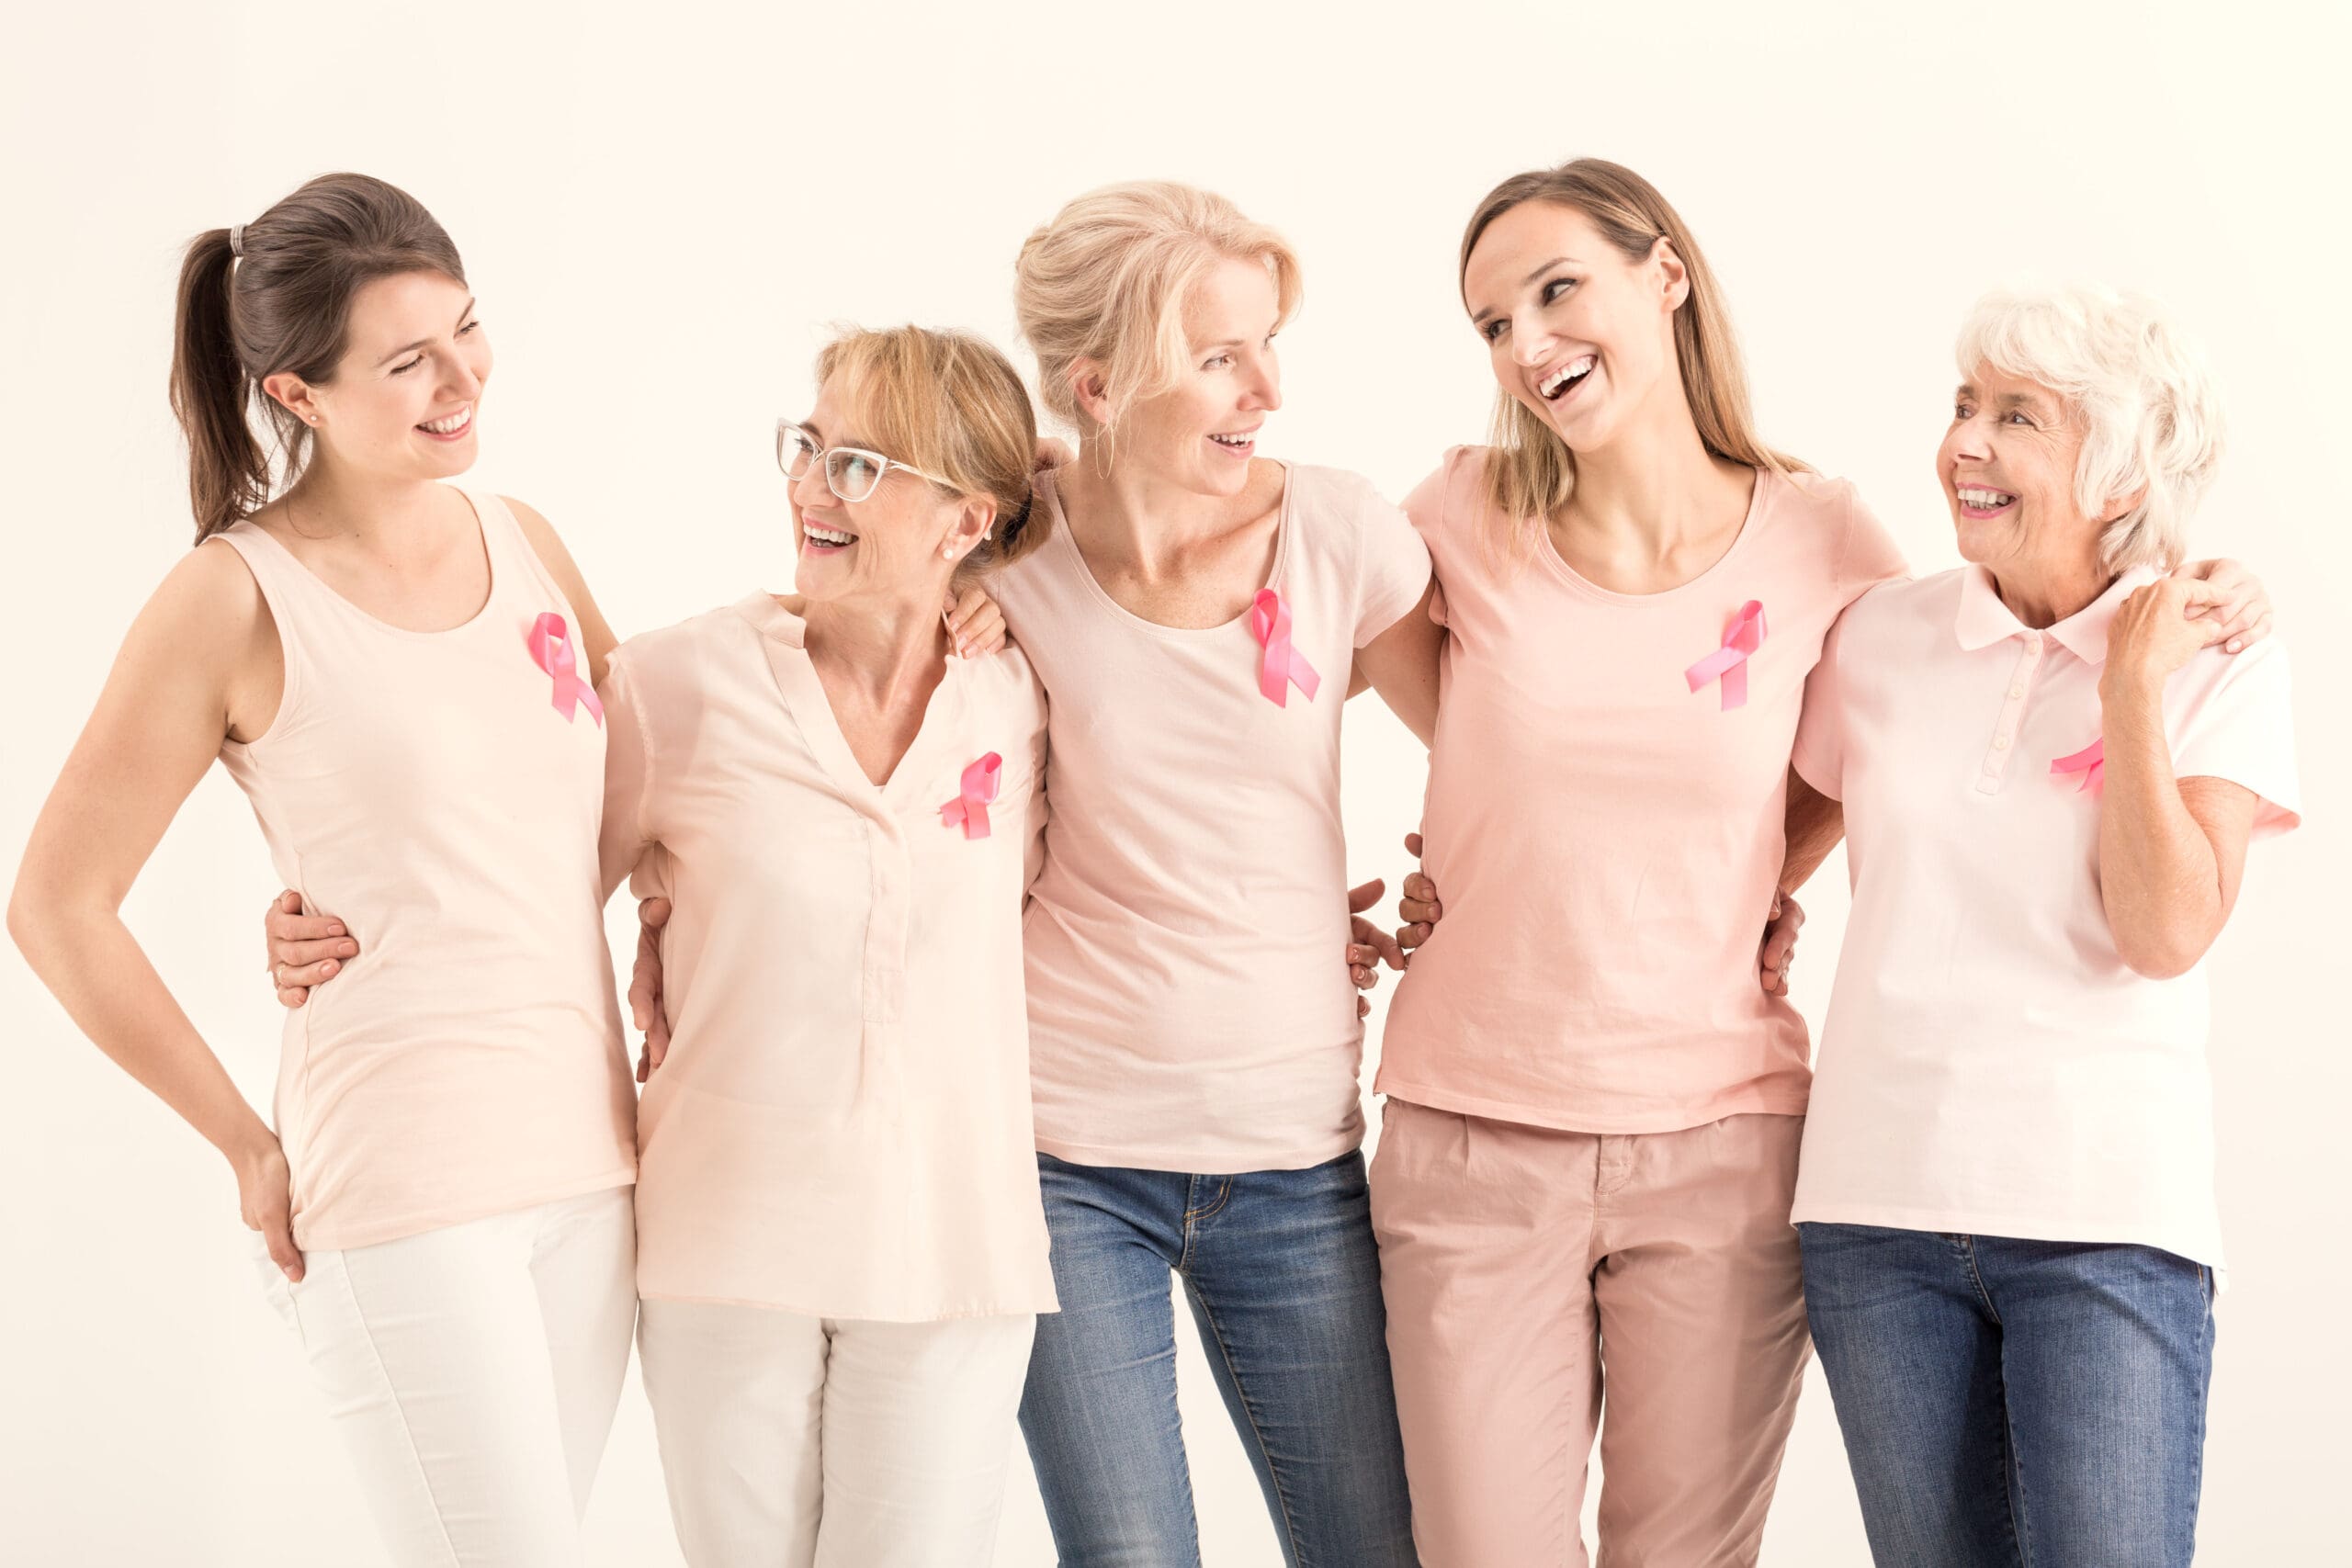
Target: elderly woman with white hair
{"type": "Point", "coordinates": [2050, 777]}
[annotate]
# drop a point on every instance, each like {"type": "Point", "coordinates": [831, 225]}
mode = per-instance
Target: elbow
{"type": "Point", "coordinates": [2163, 955]}
{"type": "Point", "coordinates": [27, 917]}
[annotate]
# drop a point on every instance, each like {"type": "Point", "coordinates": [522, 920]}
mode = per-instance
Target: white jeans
{"type": "Point", "coordinates": [472, 1372]}
{"type": "Point", "coordinates": [803, 1442]}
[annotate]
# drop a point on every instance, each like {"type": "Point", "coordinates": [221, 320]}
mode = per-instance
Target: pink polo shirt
{"type": "Point", "coordinates": [1606, 840]}
{"type": "Point", "coordinates": [1189, 1004]}
{"type": "Point", "coordinates": [842, 1126]}
{"type": "Point", "coordinates": [1989, 1065]}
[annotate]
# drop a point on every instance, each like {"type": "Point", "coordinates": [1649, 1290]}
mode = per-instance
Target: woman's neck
{"type": "Point", "coordinates": [386, 519]}
{"type": "Point", "coordinates": [2042, 594]}
{"type": "Point", "coordinates": [1655, 487]}
{"type": "Point", "coordinates": [1130, 518]}
{"type": "Point", "coordinates": [887, 650]}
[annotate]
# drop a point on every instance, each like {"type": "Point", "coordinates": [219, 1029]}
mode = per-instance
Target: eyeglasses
{"type": "Point", "coordinates": [851, 472]}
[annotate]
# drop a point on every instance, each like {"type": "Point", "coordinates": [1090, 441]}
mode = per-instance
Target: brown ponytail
{"type": "Point", "coordinates": [277, 298]}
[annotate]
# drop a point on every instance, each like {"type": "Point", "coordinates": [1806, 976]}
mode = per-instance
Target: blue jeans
{"type": "Point", "coordinates": [1284, 1283]}
{"type": "Point", "coordinates": [2015, 1403]}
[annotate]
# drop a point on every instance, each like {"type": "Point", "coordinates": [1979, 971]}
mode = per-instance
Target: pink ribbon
{"type": "Point", "coordinates": [2090, 762]}
{"type": "Point", "coordinates": [551, 646]}
{"type": "Point", "coordinates": [1729, 663]}
{"type": "Point", "coordinates": [969, 809]}
{"type": "Point", "coordinates": [1281, 667]}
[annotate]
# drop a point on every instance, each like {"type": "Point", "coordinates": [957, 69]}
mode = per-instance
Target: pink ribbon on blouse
{"type": "Point", "coordinates": [551, 646]}
{"type": "Point", "coordinates": [969, 809]}
{"type": "Point", "coordinates": [1729, 663]}
{"type": "Point", "coordinates": [2090, 762]}
{"type": "Point", "coordinates": [1281, 666]}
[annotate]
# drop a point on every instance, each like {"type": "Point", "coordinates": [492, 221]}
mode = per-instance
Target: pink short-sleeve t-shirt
{"type": "Point", "coordinates": [1189, 1007]}
{"type": "Point", "coordinates": [1604, 820]}
{"type": "Point", "coordinates": [1989, 1065]}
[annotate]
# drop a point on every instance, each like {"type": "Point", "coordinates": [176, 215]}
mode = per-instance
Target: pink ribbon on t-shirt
{"type": "Point", "coordinates": [551, 646]}
{"type": "Point", "coordinates": [1729, 663]}
{"type": "Point", "coordinates": [2090, 762]}
{"type": "Point", "coordinates": [1281, 666]}
{"type": "Point", "coordinates": [970, 807]}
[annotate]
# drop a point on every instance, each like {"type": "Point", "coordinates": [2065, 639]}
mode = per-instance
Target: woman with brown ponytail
{"type": "Point", "coordinates": [398, 672]}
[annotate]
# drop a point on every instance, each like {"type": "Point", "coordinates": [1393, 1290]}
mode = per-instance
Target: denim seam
{"type": "Point", "coordinates": [1257, 1434]}
{"type": "Point", "coordinates": [1224, 1193]}
{"type": "Point", "coordinates": [2012, 1471]}
{"type": "Point", "coordinates": [1192, 1215]}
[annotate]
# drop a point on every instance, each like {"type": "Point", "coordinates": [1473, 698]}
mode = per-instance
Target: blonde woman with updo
{"type": "Point", "coordinates": [1198, 612]}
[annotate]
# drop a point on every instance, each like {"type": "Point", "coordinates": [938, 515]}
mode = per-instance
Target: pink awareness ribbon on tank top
{"type": "Point", "coordinates": [551, 646]}
{"type": "Point", "coordinates": [1281, 666]}
{"type": "Point", "coordinates": [2090, 762]}
{"type": "Point", "coordinates": [1729, 663]}
{"type": "Point", "coordinates": [969, 809]}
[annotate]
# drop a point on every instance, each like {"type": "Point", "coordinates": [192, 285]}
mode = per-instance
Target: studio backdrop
{"type": "Point", "coordinates": [662, 211]}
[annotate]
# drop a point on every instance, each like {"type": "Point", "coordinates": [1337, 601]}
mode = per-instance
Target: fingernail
{"type": "Point", "coordinates": [2236, 643]}
{"type": "Point", "coordinates": [336, 930]}
{"type": "Point", "coordinates": [327, 968]}
{"type": "Point", "coordinates": [349, 948]}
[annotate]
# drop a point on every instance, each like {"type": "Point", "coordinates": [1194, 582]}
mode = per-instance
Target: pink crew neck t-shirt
{"type": "Point", "coordinates": [1189, 1003]}
{"type": "Point", "coordinates": [1989, 1063]}
{"type": "Point", "coordinates": [1605, 840]}
{"type": "Point", "coordinates": [842, 1127]}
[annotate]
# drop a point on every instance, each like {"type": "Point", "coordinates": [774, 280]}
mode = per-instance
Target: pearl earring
{"type": "Point", "coordinates": [948, 552]}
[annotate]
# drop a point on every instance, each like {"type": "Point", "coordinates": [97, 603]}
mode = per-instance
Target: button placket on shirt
{"type": "Point", "coordinates": [2004, 744]}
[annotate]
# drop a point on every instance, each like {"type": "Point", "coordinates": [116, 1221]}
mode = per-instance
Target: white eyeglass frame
{"type": "Point", "coordinates": [821, 457]}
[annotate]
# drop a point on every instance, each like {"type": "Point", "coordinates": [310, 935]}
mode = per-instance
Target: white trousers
{"type": "Point", "coordinates": [472, 1372]}
{"type": "Point", "coordinates": [803, 1442]}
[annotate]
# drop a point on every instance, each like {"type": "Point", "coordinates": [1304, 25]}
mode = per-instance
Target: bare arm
{"type": "Point", "coordinates": [1401, 663]}
{"type": "Point", "coordinates": [595, 637]}
{"type": "Point", "coordinates": [1813, 825]}
{"type": "Point", "coordinates": [201, 662]}
{"type": "Point", "coordinates": [2171, 851]}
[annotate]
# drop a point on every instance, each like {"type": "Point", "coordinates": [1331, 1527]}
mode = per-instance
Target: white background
{"type": "Point", "coordinates": [659, 219]}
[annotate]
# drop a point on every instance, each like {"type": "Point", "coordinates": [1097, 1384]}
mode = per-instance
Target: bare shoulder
{"type": "Point", "coordinates": [209, 596]}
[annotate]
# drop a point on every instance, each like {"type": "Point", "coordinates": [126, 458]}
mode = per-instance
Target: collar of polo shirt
{"type": "Point", "coordinates": [1984, 620]}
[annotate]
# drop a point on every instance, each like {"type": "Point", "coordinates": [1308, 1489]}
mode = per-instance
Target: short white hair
{"type": "Point", "coordinates": [2150, 413]}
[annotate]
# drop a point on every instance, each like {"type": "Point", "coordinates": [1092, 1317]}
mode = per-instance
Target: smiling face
{"type": "Point", "coordinates": [1579, 335]}
{"type": "Point", "coordinates": [403, 400]}
{"type": "Point", "coordinates": [2008, 470]}
{"type": "Point", "coordinates": [901, 543]}
{"type": "Point", "coordinates": [1200, 435]}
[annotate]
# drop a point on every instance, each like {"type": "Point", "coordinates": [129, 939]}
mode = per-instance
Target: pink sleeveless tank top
{"type": "Point", "coordinates": [439, 793]}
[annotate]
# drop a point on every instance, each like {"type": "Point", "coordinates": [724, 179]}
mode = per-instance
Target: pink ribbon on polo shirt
{"type": "Point", "coordinates": [551, 646]}
{"type": "Point", "coordinates": [970, 807]}
{"type": "Point", "coordinates": [2090, 762]}
{"type": "Point", "coordinates": [1729, 663]}
{"type": "Point", "coordinates": [1281, 667]}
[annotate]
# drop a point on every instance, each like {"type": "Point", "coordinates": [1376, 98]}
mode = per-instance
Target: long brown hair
{"type": "Point", "coordinates": [276, 297]}
{"type": "Point", "coordinates": [1530, 471]}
